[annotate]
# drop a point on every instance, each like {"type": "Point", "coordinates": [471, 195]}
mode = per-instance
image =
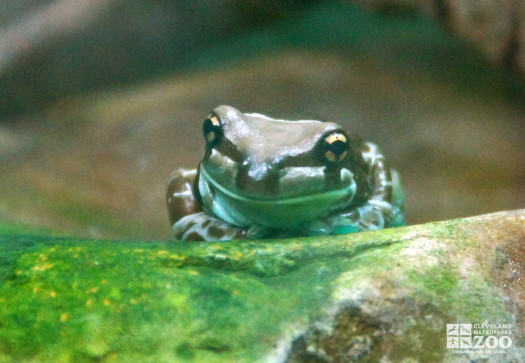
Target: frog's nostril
{"type": "Point", "coordinates": [260, 172]}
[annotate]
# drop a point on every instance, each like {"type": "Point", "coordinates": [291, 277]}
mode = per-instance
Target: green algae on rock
{"type": "Point", "coordinates": [369, 296]}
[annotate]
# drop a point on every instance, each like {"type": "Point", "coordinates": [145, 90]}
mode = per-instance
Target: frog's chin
{"type": "Point", "coordinates": [279, 213]}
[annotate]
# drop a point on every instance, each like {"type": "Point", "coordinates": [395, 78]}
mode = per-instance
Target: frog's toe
{"type": "Point", "coordinates": [364, 218]}
{"type": "Point", "coordinates": [257, 231]}
{"type": "Point", "coordinates": [398, 217]}
{"type": "Point", "coordinates": [317, 227]}
{"type": "Point", "coordinates": [371, 218]}
{"type": "Point", "coordinates": [190, 227]}
{"type": "Point", "coordinates": [346, 229]}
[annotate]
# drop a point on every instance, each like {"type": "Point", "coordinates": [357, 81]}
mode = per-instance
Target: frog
{"type": "Point", "coordinates": [261, 177]}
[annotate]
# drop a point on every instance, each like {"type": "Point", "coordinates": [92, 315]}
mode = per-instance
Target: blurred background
{"type": "Point", "coordinates": [101, 99]}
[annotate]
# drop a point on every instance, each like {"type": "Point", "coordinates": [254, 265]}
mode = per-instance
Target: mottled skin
{"type": "Point", "coordinates": [261, 177]}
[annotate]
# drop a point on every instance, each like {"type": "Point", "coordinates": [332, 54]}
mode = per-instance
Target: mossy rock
{"type": "Point", "coordinates": [367, 296]}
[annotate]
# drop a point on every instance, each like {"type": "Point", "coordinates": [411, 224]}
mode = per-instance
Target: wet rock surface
{"type": "Point", "coordinates": [377, 319]}
{"type": "Point", "coordinates": [385, 295]}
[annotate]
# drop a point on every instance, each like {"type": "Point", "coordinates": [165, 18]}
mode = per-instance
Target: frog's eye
{"type": "Point", "coordinates": [335, 147]}
{"type": "Point", "coordinates": [212, 129]}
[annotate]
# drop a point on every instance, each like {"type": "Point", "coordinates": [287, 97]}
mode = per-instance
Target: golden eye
{"type": "Point", "coordinates": [212, 128]}
{"type": "Point", "coordinates": [335, 147]}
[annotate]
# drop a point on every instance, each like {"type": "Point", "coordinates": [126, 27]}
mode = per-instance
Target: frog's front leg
{"type": "Point", "coordinates": [378, 211]}
{"type": "Point", "coordinates": [189, 222]}
{"type": "Point", "coordinates": [373, 215]}
{"type": "Point", "coordinates": [367, 217]}
{"type": "Point", "coordinates": [203, 227]}
{"type": "Point", "coordinates": [384, 205]}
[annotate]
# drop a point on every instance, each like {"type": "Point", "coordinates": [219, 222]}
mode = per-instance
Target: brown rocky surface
{"type": "Point", "coordinates": [496, 27]}
{"type": "Point", "coordinates": [51, 49]}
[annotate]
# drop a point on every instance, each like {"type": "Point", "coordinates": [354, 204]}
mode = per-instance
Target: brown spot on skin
{"type": "Point", "coordinates": [215, 232]}
{"type": "Point", "coordinates": [191, 223]}
{"type": "Point", "coordinates": [380, 177]}
{"type": "Point", "coordinates": [179, 196]}
{"type": "Point", "coordinates": [193, 236]}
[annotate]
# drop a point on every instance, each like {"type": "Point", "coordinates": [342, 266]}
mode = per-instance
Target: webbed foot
{"type": "Point", "coordinates": [369, 217]}
{"type": "Point", "coordinates": [203, 227]}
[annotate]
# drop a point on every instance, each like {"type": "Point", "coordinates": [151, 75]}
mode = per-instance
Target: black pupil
{"type": "Point", "coordinates": [337, 147]}
{"type": "Point", "coordinates": [208, 127]}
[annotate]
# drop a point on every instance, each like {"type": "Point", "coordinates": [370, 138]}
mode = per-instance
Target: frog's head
{"type": "Point", "coordinates": [257, 170]}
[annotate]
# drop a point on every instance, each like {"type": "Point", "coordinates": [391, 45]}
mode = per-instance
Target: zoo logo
{"type": "Point", "coordinates": [459, 336]}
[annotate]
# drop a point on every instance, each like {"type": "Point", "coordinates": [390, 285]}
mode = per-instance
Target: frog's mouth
{"type": "Point", "coordinates": [283, 212]}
